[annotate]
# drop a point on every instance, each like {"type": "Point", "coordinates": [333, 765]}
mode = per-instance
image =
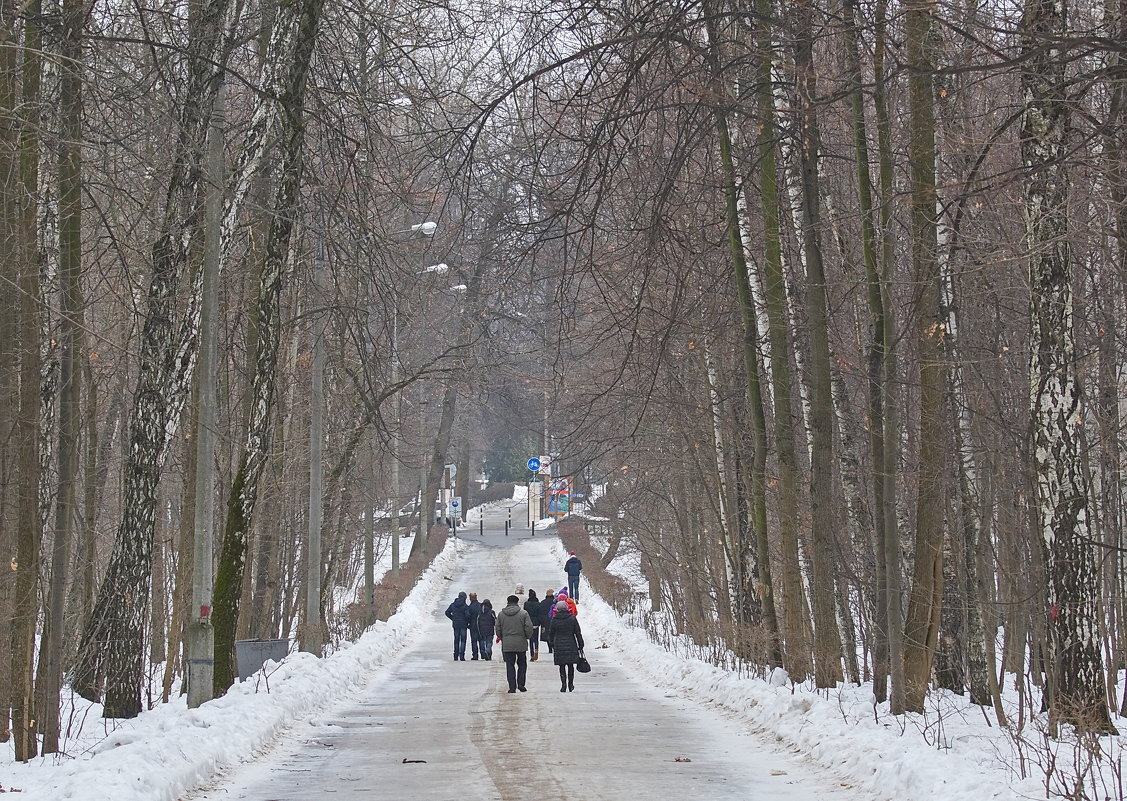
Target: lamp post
{"type": "Point", "coordinates": [312, 636]}
{"type": "Point", "coordinates": [418, 230]}
{"type": "Point", "coordinates": [424, 512]}
{"type": "Point", "coordinates": [395, 498]}
{"type": "Point", "coordinates": [200, 633]}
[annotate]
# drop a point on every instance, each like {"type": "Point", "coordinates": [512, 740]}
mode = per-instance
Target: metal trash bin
{"type": "Point", "coordinates": [251, 655]}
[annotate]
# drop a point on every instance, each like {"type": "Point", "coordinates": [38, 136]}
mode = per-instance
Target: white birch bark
{"type": "Point", "coordinates": [112, 649]}
{"type": "Point", "coordinates": [1077, 692]}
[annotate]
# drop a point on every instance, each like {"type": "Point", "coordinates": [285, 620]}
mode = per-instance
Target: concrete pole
{"type": "Point", "coordinates": [200, 635]}
{"type": "Point", "coordinates": [370, 547]}
{"type": "Point", "coordinates": [397, 497]}
{"type": "Point", "coordinates": [426, 506]}
{"type": "Point", "coordinates": [312, 640]}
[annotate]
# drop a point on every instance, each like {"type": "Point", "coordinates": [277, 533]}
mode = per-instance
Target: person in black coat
{"type": "Point", "coordinates": [546, 607]}
{"type": "Point", "coordinates": [573, 567]}
{"type": "Point", "coordinates": [459, 614]}
{"type": "Point", "coordinates": [474, 611]}
{"type": "Point", "coordinates": [486, 623]}
{"type": "Point", "coordinates": [566, 640]}
{"type": "Point", "coordinates": [532, 606]}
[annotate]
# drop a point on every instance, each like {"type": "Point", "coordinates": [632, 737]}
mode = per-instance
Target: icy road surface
{"type": "Point", "coordinates": [427, 728]}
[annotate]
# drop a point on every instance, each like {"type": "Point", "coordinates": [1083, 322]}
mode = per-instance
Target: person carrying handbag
{"type": "Point", "coordinates": [566, 640]}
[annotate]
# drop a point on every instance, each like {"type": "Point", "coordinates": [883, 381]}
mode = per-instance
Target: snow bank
{"type": "Point", "coordinates": [165, 752]}
{"type": "Point", "coordinates": [836, 729]}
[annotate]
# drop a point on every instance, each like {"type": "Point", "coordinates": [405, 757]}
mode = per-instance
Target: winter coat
{"type": "Point", "coordinates": [514, 627]}
{"type": "Point", "coordinates": [532, 606]}
{"type": "Point", "coordinates": [565, 637]}
{"type": "Point", "coordinates": [486, 623]}
{"type": "Point", "coordinates": [571, 605]}
{"type": "Point", "coordinates": [546, 607]}
{"type": "Point", "coordinates": [572, 566]}
{"type": "Point", "coordinates": [459, 613]}
{"type": "Point", "coordinates": [474, 611]}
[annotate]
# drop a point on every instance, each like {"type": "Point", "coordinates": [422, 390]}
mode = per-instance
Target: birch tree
{"type": "Point", "coordinates": [292, 43]}
{"type": "Point", "coordinates": [1077, 693]}
{"type": "Point", "coordinates": [112, 647]}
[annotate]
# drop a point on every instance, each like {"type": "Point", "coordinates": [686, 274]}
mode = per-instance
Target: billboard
{"type": "Point", "coordinates": [559, 495]}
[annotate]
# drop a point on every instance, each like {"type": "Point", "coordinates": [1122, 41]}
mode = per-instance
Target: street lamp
{"type": "Point", "coordinates": [423, 229]}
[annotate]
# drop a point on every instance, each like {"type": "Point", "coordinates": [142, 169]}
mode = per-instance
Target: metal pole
{"type": "Point", "coordinates": [481, 527]}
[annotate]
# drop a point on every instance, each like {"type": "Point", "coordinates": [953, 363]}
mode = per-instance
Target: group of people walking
{"type": "Point", "coordinates": [474, 622]}
{"type": "Point", "coordinates": [520, 629]}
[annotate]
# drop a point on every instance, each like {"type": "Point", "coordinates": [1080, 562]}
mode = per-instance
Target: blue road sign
{"type": "Point", "coordinates": [534, 464]}
{"type": "Point", "coordinates": [454, 504]}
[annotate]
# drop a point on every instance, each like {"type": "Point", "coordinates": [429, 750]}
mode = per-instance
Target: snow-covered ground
{"type": "Point", "coordinates": [952, 753]}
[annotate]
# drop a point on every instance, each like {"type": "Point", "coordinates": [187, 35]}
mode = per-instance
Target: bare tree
{"type": "Point", "coordinates": [112, 645]}
{"type": "Point", "coordinates": [1077, 694]}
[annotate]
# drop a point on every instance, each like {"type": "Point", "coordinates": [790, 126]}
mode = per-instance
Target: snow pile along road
{"type": "Point", "coordinates": [170, 750]}
{"type": "Point", "coordinates": [834, 729]}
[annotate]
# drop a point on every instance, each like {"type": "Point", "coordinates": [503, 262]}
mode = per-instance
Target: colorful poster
{"type": "Point", "coordinates": [559, 495]}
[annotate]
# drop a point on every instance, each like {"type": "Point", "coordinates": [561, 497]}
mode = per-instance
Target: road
{"type": "Point", "coordinates": [427, 728]}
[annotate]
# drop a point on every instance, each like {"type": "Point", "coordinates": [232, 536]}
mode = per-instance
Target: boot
{"type": "Point", "coordinates": [563, 687]}
{"type": "Point", "coordinates": [571, 686]}
{"type": "Point", "coordinates": [534, 655]}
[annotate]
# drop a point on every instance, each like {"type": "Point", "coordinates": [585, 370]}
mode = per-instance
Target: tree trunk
{"type": "Point", "coordinates": [29, 528]}
{"type": "Point", "coordinates": [295, 34]}
{"type": "Point", "coordinates": [827, 636]}
{"type": "Point", "coordinates": [1077, 693]}
{"type": "Point", "coordinates": [311, 635]}
{"type": "Point", "coordinates": [753, 391]}
{"type": "Point", "coordinates": [883, 366]}
{"type": "Point", "coordinates": [920, 629]}
{"type": "Point", "coordinates": [112, 645]}
{"type": "Point", "coordinates": [794, 628]}
{"type": "Point", "coordinates": [70, 375]}
{"type": "Point", "coordinates": [10, 192]}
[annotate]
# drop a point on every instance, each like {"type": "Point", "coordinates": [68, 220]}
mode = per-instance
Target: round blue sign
{"type": "Point", "coordinates": [455, 503]}
{"type": "Point", "coordinates": [533, 464]}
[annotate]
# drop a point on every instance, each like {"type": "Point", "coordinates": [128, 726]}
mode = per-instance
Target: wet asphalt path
{"type": "Point", "coordinates": [428, 728]}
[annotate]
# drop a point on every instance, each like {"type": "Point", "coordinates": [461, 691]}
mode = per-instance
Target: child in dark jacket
{"type": "Point", "coordinates": [486, 622]}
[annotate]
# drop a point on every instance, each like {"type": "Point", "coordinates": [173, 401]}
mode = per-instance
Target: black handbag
{"type": "Point", "coordinates": [582, 665]}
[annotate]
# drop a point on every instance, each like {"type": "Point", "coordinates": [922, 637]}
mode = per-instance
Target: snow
{"type": "Point", "coordinates": [836, 729]}
{"type": "Point", "coordinates": [951, 752]}
{"type": "Point", "coordinates": [163, 753]}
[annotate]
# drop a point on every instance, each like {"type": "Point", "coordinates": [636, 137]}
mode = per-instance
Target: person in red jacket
{"type": "Point", "coordinates": [571, 605]}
